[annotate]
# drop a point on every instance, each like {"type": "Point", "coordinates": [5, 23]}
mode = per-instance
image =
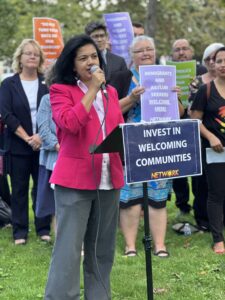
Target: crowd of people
{"type": "Point", "coordinates": [49, 125]}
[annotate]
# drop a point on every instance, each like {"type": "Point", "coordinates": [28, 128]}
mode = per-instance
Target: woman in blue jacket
{"type": "Point", "coordinates": [20, 97]}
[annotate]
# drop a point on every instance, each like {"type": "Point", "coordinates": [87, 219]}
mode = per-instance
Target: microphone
{"type": "Point", "coordinates": [102, 87]}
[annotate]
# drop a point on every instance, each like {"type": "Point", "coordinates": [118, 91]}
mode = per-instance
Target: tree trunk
{"type": "Point", "coordinates": [150, 25]}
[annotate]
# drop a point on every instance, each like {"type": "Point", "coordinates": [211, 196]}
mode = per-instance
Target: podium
{"type": "Point", "coordinates": [114, 143]}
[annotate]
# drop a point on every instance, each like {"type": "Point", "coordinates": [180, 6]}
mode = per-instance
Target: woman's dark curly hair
{"type": "Point", "coordinates": [64, 68]}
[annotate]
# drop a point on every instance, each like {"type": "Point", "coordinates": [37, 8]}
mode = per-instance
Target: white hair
{"type": "Point", "coordinates": [138, 39]}
{"type": "Point", "coordinates": [210, 49]}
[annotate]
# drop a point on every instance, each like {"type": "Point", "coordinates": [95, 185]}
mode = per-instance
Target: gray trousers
{"type": "Point", "coordinates": [78, 214]}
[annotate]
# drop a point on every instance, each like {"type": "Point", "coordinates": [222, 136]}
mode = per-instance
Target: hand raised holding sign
{"type": "Point", "coordinates": [177, 89]}
{"type": "Point", "coordinates": [128, 102]}
{"type": "Point", "coordinates": [136, 93]}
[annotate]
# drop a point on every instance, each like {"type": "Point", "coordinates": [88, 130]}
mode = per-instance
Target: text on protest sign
{"type": "Point", "coordinates": [185, 73]}
{"type": "Point", "coordinates": [47, 33]}
{"type": "Point", "coordinates": [159, 102]}
{"type": "Point", "coordinates": [161, 150]}
{"type": "Point", "coordinates": [121, 34]}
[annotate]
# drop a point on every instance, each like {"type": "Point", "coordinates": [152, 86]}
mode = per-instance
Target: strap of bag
{"type": "Point", "coordinates": [1, 125]}
{"type": "Point", "coordinates": [208, 89]}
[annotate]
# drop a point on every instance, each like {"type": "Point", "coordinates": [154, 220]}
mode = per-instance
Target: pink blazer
{"type": "Point", "coordinates": [76, 131]}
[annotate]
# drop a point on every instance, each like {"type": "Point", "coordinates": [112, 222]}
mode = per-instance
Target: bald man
{"type": "Point", "coordinates": [183, 51]}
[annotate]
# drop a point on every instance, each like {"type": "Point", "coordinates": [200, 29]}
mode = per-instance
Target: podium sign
{"type": "Point", "coordinates": [161, 150]}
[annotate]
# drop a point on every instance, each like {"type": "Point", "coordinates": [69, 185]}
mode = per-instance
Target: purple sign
{"type": "Point", "coordinates": [121, 34]}
{"type": "Point", "coordinates": [159, 102]}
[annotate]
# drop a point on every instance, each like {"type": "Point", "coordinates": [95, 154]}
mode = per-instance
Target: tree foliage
{"type": "Point", "coordinates": [8, 25]}
{"type": "Point", "coordinates": [200, 21]}
{"type": "Point", "coordinates": [16, 19]}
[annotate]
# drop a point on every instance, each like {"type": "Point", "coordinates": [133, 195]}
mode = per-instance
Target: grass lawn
{"type": "Point", "coordinates": [192, 272]}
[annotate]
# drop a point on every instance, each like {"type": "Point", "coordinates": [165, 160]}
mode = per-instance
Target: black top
{"type": "Point", "coordinates": [213, 109]}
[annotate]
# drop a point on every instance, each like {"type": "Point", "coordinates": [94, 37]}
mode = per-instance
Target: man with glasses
{"type": "Point", "coordinates": [115, 68]}
{"type": "Point", "coordinates": [182, 51]}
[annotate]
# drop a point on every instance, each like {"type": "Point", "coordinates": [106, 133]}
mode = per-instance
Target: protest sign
{"type": "Point", "coordinates": [161, 150]}
{"type": "Point", "coordinates": [185, 73]}
{"type": "Point", "coordinates": [47, 33]}
{"type": "Point", "coordinates": [119, 27]}
{"type": "Point", "coordinates": [159, 102]}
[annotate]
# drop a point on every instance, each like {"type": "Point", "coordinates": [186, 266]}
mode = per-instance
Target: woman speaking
{"type": "Point", "coordinates": [87, 187]}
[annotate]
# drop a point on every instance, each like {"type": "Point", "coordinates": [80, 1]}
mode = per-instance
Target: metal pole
{"type": "Point", "coordinates": [147, 244]}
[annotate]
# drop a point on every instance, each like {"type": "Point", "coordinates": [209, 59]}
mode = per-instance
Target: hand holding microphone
{"type": "Point", "coordinates": [94, 69]}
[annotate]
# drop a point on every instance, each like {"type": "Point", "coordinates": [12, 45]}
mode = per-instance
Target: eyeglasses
{"type": "Point", "coordinates": [181, 49]}
{"type": "Point", "coordinates": [98, 36]}
{"type": "Point", "coordinates": [141, 51]}
{"type": "Point", "coordinates": [31, 54]}
{"type": "Point", "coordinates": [208, 59]}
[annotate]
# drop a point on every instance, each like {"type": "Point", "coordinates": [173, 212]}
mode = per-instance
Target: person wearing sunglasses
{"type": "Point", "coordinates": [208, 106]}
{"type": "Point", "coordinates": [199, 183]}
